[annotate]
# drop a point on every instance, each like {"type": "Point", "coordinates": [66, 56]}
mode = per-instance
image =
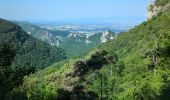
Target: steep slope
{"type": "Point", "coordinates": [77, 44]}
{"type": "Point", "coordinates": [52, 37]}
{"type": "Point", "coordinates": [20, 55]}
{"type": "Point", "coordinates": [74, 43]}
{"type": "Point", "coordinates": [133, 66]}
{"type": "Point", "coordinates": [30, 52]}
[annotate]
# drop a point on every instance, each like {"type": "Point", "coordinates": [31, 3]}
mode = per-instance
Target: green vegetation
{"type": "Point", "coordinates": [35, 53]}
{"type": "Point", "coordinates": [139, 69]}
{"type": "Point", "coordinates": [133, 66]}
{"type": "Point", "coordinates": [29, 52]}
{"type": "Point", "coordinates": [162, 2]}
{"type": "Point", "coordinates": [20, 55]}
{"type": "Point", "coordinates": [74, 44]}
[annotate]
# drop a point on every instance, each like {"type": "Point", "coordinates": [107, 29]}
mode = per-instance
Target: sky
{"type": "Point", "coordinates": [72, 9]}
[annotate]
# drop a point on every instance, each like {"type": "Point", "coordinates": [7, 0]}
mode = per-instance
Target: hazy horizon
{"type": "Point", "coordinates": [74, 10]}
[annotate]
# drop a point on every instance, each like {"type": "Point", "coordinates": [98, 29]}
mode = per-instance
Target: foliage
{"type": "Point", "coordinates": [74, 44]}
{"type": "Point", "coordinates": [129, 78]}
{"type": "Point", "coordinates": [161, 2]}
{"type": "Point", "coordinates": [20, 55]}
{"type": "Point", "coordinates": [35, 53]}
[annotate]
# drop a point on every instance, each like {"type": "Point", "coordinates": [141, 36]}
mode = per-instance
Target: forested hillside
{"type": "Point", "coordinates": [133, 66]}
{"type": "Point", "coordinates": [73, 43]}
{"type": "Point", "coordinates": [21, 54]}
{"type": "Point", "coordinates": [28, 48]}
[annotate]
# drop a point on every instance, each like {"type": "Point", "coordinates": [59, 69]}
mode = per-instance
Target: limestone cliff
{"type": "Point", "coordinates": [155, 8]}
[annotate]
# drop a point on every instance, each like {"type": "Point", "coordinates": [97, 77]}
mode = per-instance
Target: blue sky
{"type": "Point", "coordinates": [72, 9]}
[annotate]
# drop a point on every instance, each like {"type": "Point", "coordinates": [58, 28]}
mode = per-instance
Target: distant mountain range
{"type": "Point", "coordinates": [75, 41]}
{"type": "Point", "coordinates": [133, 66]}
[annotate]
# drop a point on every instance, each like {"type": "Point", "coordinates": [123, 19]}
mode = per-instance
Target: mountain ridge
{"type": "Point", "coordinates": [10, 32]}
{"type": "Point", "coordinates": [74, 43]}
{"type": "Point", "coordinates": [133, 66]}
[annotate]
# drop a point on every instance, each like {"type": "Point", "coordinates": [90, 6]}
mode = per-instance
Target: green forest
{"type": "Point", "coordinates": [21, 55]}
{"type": "Point", "coordinates": [133, 66]}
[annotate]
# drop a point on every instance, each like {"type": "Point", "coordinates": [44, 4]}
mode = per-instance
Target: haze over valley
{"type": "Point", "coordinates": [85, 50]}
{"type": "Point", "coordinates": [82, 36]}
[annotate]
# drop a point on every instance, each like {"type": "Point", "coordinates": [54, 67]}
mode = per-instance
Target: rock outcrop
{"type": "Point", "coordinates": [154, 9]}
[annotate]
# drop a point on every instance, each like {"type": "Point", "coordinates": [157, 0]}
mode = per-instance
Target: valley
{"type": "Point", "coordinates": [82, 61]}
{"type": "Point", "coordinates": [76, 40]}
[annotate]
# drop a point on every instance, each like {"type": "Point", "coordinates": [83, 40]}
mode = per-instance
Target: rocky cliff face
{"type": "Point", "coordinates": [154, 9]}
